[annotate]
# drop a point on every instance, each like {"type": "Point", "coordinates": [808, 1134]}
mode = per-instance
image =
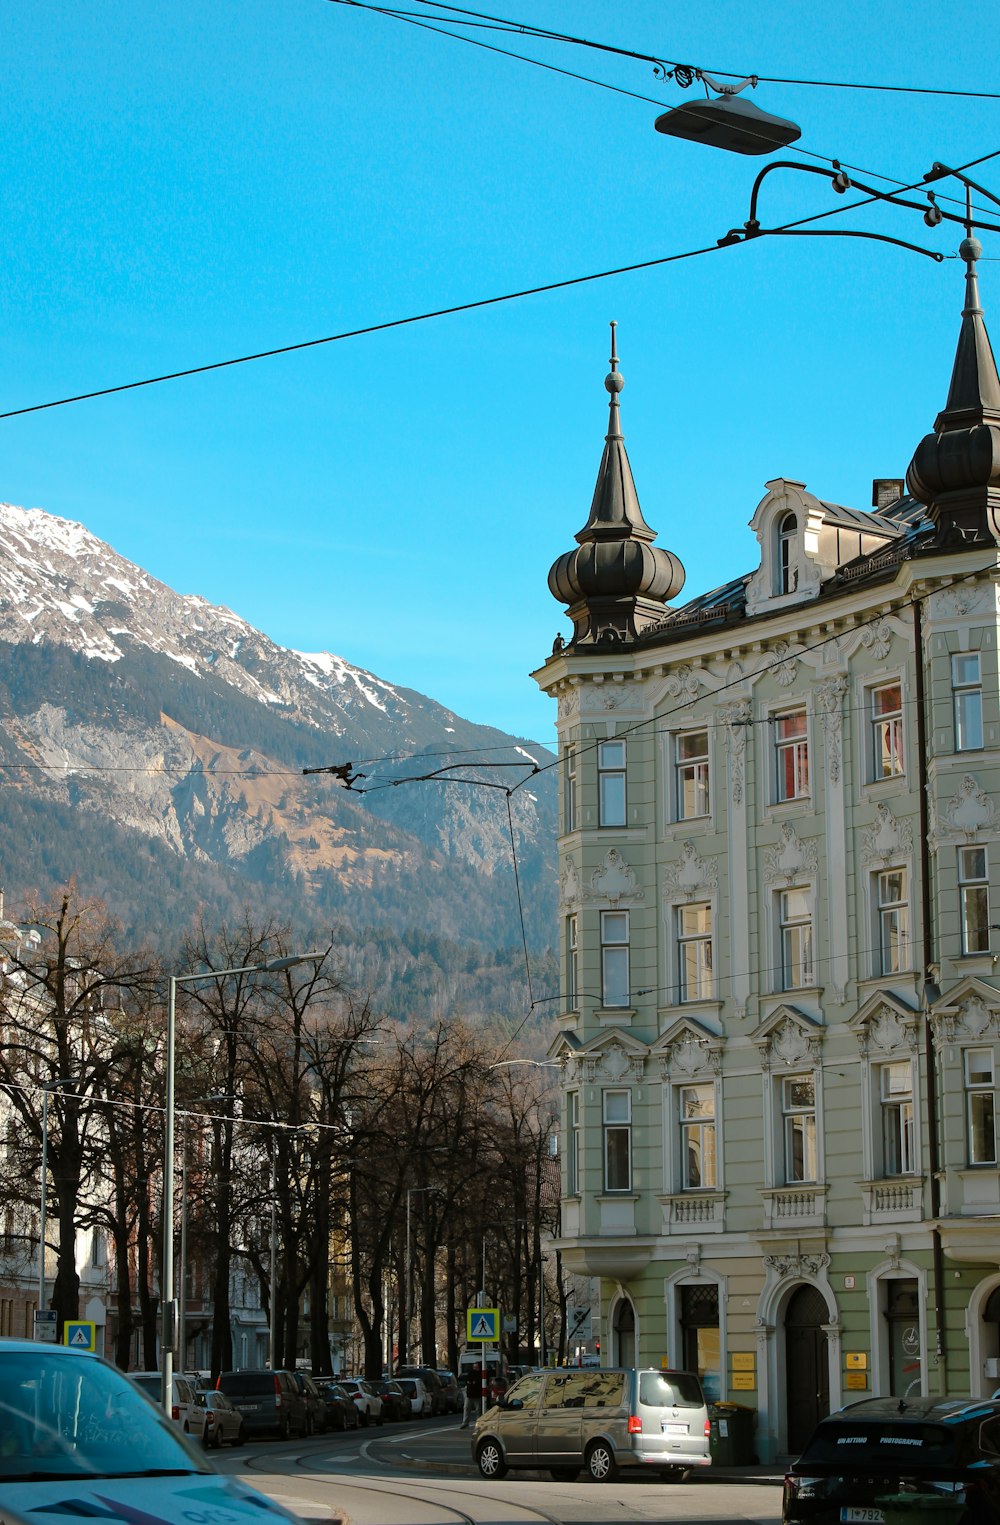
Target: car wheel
{"type": "Point", "coordinates": [489, 1460]}
{"type": "Point", "coordinates": [564, 1474]}
{"type": "Point", "coordinates": [600, 1462]}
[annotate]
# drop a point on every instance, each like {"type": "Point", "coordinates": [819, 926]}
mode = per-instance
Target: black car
{"type": "Point", "coordinates": [886, 1460]}
{"type": "Point", "coordinates": [395, 1403]}
{"type": "Point", "coordinates": [341, 1413]}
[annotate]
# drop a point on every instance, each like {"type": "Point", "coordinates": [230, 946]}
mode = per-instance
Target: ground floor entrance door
{"type": "Point", "coordinates": [807, 1365]}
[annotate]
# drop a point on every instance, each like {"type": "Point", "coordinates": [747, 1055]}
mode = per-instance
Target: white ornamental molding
{"type": "Point", "coordinates": [877, 638]}
{"type": "Point", "coordinates": [614, 1063]}
{"type": "Point", "coordinates": [737, 719]}
{"type": "Point", "coordinates": [886, 838]}
{"type": "Point", "coordinates": [783, 1266]}
{"type": "Point", "coordinates": [792, 858]}
{"type": "Point", "coordinates": [570, 888]}
{"type": "Point", "coordinates": [789, 1045]}
{"type": "Point", "coordinates": [684, 682]}
{"type": "Point", "coordinates": [972, 1019]}
{"type": "Point", "coordinates": [828, 702]}
{"type": "Point", "coordinates": [781, 663]}
{"type": "Point", "coordinates": [688, 1056]}
{"type": "Point", "coordinates": [693, 875]}
{"type": "Point", "coordinates": [615, 881]}
{"type": "Point", "coordinates": [969, 812]}
{"type": "Point", "coordinates": [569, 703]}
{"type": "Point", "coordinates": [885, 1030]}
{"type": "Point", "coordinates": [957, 601]}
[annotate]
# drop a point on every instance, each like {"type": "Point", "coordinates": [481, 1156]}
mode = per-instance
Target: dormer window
{"type": "Point", "coordinates": [786, 531]}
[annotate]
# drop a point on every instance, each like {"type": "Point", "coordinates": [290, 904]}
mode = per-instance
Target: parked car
{"type": "Point", "coordinates": [928, 1451]}
{"type": "Point", "coordinates": [184, 1410]}
{"type": "Point", "coordinates": [341, 1411]}
{"type": "Point", "coordinates": [600, 1419]}
{"type": "Point", "coordinates": [269, 1401]}
{"type": "Point", "coordinates": [395, 1403]}
{"type": "Point", "coordinates": [81, 1441]}
{"type": "Point", "coordinates": [223, 1424]}
{"type": "Point", "coordinates": [452, 1400]}
{"type": "Point", "coordinates": [316, 1422]}
{"type": "Point", "coordinates": [366, 1400]}
{"type": "Point", "coordinates": [417, 1391]}
{"type": "Point", "coordinates": [428, 1375]}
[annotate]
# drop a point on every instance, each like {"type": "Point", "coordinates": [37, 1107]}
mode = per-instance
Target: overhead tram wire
{"type": "Point", "coordinates": [483, 302]}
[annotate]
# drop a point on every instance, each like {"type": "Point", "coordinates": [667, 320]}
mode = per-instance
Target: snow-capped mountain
{"type": "Point", "coordinates": [143, 726]}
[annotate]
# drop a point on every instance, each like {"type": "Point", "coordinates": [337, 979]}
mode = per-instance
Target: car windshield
{"type": "Point", "coordinates": [887, 1443]}
{"type": "Point", "coordinates": [66, 1416]}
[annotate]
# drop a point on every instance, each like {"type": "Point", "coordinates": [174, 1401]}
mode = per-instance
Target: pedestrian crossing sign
{"type": "Point", "coordinates": [482, 1326]}
{"type": "Point", "coordinates": [80, 1334]}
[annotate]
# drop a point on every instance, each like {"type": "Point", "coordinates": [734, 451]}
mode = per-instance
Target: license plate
{"type": "Point", "coordinates": [674, 1429]}
{"type": "Point", "coordinates": [853, 1516]}
{"type": "Point", "coordinates": [249, 1408]}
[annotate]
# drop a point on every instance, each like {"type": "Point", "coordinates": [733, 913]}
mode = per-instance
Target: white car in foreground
{"type": "Point", "coordinates": [78, 1440]}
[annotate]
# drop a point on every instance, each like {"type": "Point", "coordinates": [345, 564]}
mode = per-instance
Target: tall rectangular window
{"type": "Point", "coordinates": [980, 1106]}
{"type": "Point", "coordinates": [896, 1098]}
{"type": "Point", "coordinates": [695, 964]}
{"type": "Point", "coordinates": [798, 1109]}
{"type": "Point", "coordinates": [892, 910]}
{"type": "Point", "coordinates": [572, 964]}
{"type": "Point", "coordinates": [614, 958]}
{"type": "Point", "coordinates": [974, 895]}
{"type": "Point", "coordinates": [791, 756]}
{"type": "Point", "coordinates": [573, 1144]}
{"type": "Point", "coordinates": [691, 796]}
{"type": "Point", "coordinates": [611, 783]}
{"type": "Point", "coordinates": [795, 936]}
{"type": "Point", "coordinates": [617, 1106]}
{"type": "Point", "coordinates": [887, 731]}
{"type": "Point", "coordinates": [967, 697]}
{"type": "Point", "coordinates": [697, 1120]}
{"type": "Point", "coordinates": [569, 790]}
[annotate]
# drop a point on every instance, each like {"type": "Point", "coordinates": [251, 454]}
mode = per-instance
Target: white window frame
{"type": "Point", "coordinates": [799, 1120]}
{"type": "Point", "coordinates": [699, 942]}
{"type": "Point", "coordinates": [967, 700]}
{"type": "Point", "coordinates": [979, 1079]}
{"type": "Point", "coordinates": [701, 1129]}
{"type": "Point", "coordinates": [612, 793]}
{"type": "Point", "coordinates": [795, 938]}
{"type": "Point", "coordinates": [974, 899]}
{"type": "Point", "coordinates": [786, 531]}
{"type": "Point", "coordinates": [570, 801]}
{"type": "Point", "coordinates": [892, 939]}
{"type": "Point", "coordinates": [572, 933]}
{"type": "Point", "coordinates": [615, 951]}
{"type": "Point", "coordinates": [898, 1142]}
{"type": "Point", "coordinates": [692, 774]}
{"type": "Point", "coordinates": [572, 1143]}
{"type": "Point", "coordinates": [886, 733]}
{"type": "Point", "coordinates": [616, 1099]}
{"type": "Point", "coordinates": [796, 747]}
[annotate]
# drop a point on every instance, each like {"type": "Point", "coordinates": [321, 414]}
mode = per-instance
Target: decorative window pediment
{"type": "Point", "coordinates": [788, 1037]}
{"type": "Point", "coordinates": [787, 524]}
{"type": "Point", "coordinates": [791, 859]}
{"type": "Point", "coordinates": [614, 1056]}
{"type": "Point", "coordinates": [970, 810]}
{"type": "Point", "coordinates": [886, 838]}
{"type": "Point", "coordinates": [970, 1010]}
{"type": "Point", "coordinates": [885, 1025]}
{"type": "Point", "coordinates": [687, 1048]}
{"type": "Point", "coordinates": [691, 876]}
{"type": "Point", "coordinates": [615, 882]}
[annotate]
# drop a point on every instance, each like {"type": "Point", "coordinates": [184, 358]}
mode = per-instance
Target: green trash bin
{"type": "Point", "coordinates": [730, 1441]}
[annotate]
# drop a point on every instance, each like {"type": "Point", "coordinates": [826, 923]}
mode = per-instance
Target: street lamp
{"type": "Point", "coordinates": [168, 1335]}
{"type": "Point", "coordinates": [47, 1086]}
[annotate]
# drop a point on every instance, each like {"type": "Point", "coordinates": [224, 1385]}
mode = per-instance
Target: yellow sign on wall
{"type": "Point", "coordinates": [742, 1360]}
{"type": "Point", "coordinates": [857, 1360]}
{"type": "Point", "coordinates": [856, 1379]}
{"type": "Point", "coordinates": [741, 1380]}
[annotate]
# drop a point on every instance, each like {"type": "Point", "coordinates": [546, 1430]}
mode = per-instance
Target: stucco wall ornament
{"type": "Point", "coordinates": [782, 664]}
{"type": "Point", "coordinates": [737, 719]}
{"type": "Point", "coordinates": [828, 703]}
{"type": "Point", "coordinates": [569, 703]}
{"type": "Point", "coordinates": [615, 881]}
{"type": "Point", "coordinates": [797, 1265]}
{"type": "Point", "coordinates": [959, 600]}
{"type": "Point", "coordinates": [690, 1056]}
{"type": "Point", "coordinates": [614, 1063]}
{"type": "Point", "coordinates": [886, 838]}
{"type": "Point", "coordinates": [970, 810]}
{"type": "Point", "coordinates": [789, 1045]}
{"type": "Point", "coordinates": [570, 888]}
{"type": "Point", "coordinates": [791, 859]}
{"type": "Point", "coordinates": [877, 638]}
{"type": "Point", "coordinates": [693, 875]}
{"type": "Point", "coordinates": [683, 681]}
{"type": "Point", "coordinates": [972, 1019]}
{"type": "Point", "coordinates": [884, 1030]}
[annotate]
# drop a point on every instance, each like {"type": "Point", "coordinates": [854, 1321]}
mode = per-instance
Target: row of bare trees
{"type": "Point", "coordinates": [395, 1156]}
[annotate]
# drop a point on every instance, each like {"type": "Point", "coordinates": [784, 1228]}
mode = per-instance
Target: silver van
{"type": "Point", "coordinates": [601, 1419]}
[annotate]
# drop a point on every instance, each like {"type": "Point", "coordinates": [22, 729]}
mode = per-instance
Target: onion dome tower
{"type": "Point", "coordinates": [956, 470]}
{"type": "Point", "coordinates": [616, 582]}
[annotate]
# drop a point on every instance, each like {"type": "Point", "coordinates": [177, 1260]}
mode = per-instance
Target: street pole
{"type": "Point", "coordinates": [182, 1274]}
{"type": "Point", "coordinates": [483, 1400]}
{"type": "Point", "coordinates": [408, 1300]}
{"type": "Point", "coordinates": [541, 1309]}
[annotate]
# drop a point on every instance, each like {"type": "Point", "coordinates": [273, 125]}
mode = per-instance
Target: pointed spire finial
{"type": "Point", "coordinates": [614, 383]}
{"type": "Point", "coordinates": [970, 250]}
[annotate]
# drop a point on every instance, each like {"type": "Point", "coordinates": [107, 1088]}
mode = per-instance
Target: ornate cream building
{"type": "Point", "coordinates": [780, 1019]}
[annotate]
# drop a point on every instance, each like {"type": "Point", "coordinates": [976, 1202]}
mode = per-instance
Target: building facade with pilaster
{"type": "Point", "coordinates": [780, 1014]}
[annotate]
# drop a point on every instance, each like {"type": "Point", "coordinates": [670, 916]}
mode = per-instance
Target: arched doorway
{"type": "Point", "coordinates": [807, 1364]}
{"type": "Point", "coordinates": [624, 1334]}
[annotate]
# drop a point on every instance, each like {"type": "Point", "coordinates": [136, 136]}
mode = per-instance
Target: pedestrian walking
{"type": "Point", "coordinates": [472, 1390]}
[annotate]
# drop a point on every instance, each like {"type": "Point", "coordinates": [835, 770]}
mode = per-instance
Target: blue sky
{"type": "Point", "coordinates": [190, 182]}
